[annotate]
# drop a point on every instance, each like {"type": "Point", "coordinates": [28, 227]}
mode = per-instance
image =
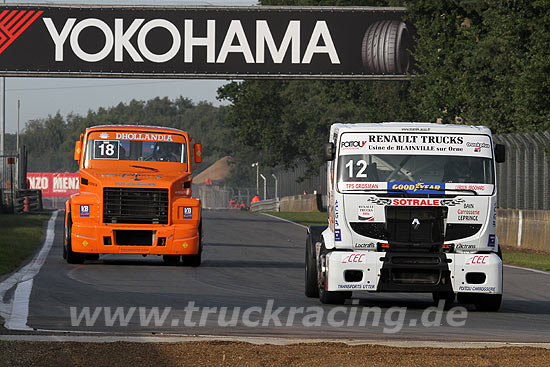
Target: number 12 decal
{"type": "Point", "coordinates": [361, 173]}
{"type": "Point", "coordinates": [106, 149]}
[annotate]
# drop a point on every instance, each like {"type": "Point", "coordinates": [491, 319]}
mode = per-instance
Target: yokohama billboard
{"type": "Point", "coordinates": [205, 42]}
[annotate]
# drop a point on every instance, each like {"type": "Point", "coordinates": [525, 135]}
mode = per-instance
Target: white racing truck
{"type": "Point", "coordinates": [412, 208]}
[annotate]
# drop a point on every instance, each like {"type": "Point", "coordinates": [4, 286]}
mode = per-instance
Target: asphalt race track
{"type": "Point", "coordinates": [253, 260]}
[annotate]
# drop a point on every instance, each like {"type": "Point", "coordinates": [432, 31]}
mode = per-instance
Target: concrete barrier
{"type": "Point", "coordinates": [302, 203]}
{"type": "Point", "coordinates": [524, 228]}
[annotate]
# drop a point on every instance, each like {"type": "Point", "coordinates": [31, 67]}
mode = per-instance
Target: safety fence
{"type": "Point", "coordinates": [524, 179]}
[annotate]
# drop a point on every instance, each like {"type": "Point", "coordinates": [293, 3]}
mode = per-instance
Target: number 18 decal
{"type": "Point", "coordinates": [106, 149]}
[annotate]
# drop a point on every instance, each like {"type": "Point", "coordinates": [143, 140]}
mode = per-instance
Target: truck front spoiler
{"type": "Point", "coordinates": [414, 272]}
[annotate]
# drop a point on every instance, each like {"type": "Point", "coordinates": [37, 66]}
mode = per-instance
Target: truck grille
{"type": "Point", "coordinates": [400, 224]}
{"type": "Point", "coordinates": [137, 206]}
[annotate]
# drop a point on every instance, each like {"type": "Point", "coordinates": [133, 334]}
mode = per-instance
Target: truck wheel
{"type": "Point", "coordinates": [69, 255]}
{"type": "Point", "coordinates": [312, 282]}
{"type": "Point", "coordinates": [171, 259]}
{"type": "Point", "coordinates": [488, 302]}
{"type": "Point", "coordinates": [194, 260]}
{"type": "Point", "coordinates": [449, 297]}
{"type": "Point", "coordinates": [328, 297]}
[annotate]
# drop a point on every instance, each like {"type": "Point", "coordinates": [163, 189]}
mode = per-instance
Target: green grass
{"type": "Point", "coordinates": [20, 236]}
{"type": "Point", "coordinates": [525, 259]}
{"type": "Point", "coordinates": [306, 219]}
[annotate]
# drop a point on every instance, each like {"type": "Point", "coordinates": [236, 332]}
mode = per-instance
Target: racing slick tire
{"type": "Point", "coordinates": [487, 302]}
{"type": "Point", "coordinates": [68, 254]}
{"type": "Point", "coordinates": [328, 297]}
{"type": "Point", "coordinates": [311, 280]}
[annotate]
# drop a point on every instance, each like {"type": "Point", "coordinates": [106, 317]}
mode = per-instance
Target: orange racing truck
{"type": "Point", "coordinates": [134, 195]}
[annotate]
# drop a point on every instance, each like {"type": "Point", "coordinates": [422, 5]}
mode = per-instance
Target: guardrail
{"type": "Point", "coordinates": [27, 201]}
{"type": "Point", "coordinates": [265, 206]}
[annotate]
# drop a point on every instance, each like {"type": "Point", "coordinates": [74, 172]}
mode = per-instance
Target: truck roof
{"type": "Point", "coordinates": [134, 127]}
{"type": "Point", "coordinates": [411, 127]}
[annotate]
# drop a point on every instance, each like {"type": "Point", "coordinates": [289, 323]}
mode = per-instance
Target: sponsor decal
{"type": "Point", "coordinates": [144, 137]}
{"type": "Point", "coordinates": [362, 185]}
{"type": "Point", "coordinates": [416, 202]}
{"type": "Point", "coordinates": [492, 240]}
{"type": "Point", "coordinates": [418, 187]}
{"type": "Point", "coordinates": [185, 245]}
{"type": "Point", "coordinates": [369, 286]}
{"type": "Point", "coordinates": [84, 243]}
{"type": "Point", "coordinates": [349, 286]}
{"type": "Point", "coordinates": [336, 214]}
{"type": "Point", "coordinates": [85, 210]}
{"type": "Point", "coordinates": [452, 202]}
{"type": "Point", "coordinates": [365, 246]}
{"type": "Point", "coordinates": [464, 246]}
{"type": "Point", "coordinates": [337, 235]}
{"type": "Point", "coordinates": [416, 143]}
{"type": "Point", "coordinates": [132, 183]}
{"type": "Point", "coordinates": [468, 288]}
{"type": "Point", "coordinates": [379, 201]}
{"type": "Point", "coordinates": [354, 258]}
{"type": "Point", "coordinates": [104, 135]}
{"type": "Point", "coordinates": [13, 23]}
{"type": "Point", "coordinates": [477, 260]}
{"type": "Point", "coordinates": [187, 212]}
{"type": "Point", "coordinates": [366, 213]}
{"type": "Point", "coordinates": [133, 175]}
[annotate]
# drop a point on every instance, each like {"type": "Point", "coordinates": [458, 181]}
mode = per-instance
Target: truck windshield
{"type": "Point", "coordinates": [135, 150]}
{"type": "Point", "coordinates": [415, 168]}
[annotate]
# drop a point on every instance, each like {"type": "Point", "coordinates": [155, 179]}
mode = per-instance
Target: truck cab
{"type": "Point", "coordinates": [412, 208]}
{"type": "Point", "coordinates": [135, 185]}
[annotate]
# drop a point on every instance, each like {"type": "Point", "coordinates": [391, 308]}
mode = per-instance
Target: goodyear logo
{"type": "Point", "coordinates": [417, 187]}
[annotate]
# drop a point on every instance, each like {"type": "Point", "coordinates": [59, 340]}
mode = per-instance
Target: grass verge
{"type": "Point", "coordinates": [527, 259]}
{"type": "Point", "coordinates": [20, 235]}
{"type": "Point", "coordinates": [533, 260]}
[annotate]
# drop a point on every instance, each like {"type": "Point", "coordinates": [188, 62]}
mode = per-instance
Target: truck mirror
{"type": "Point", "coordinates": [197, 153]}
{"type": "Point", "coordinates": [500, 153]}
{"type": "Point", "coordinates": [329, 151]}
{"type": "Point", "coordinates": [78, 150]}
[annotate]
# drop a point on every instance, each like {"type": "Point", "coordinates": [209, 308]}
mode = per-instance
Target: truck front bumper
{"type": "Point", "coordinates": [178, 239]}
{"type": "Point", "coordinates": [414, 272]}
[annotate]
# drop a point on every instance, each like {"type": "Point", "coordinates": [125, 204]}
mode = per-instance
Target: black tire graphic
{"type": "Point", "coordinates": [385, 48]}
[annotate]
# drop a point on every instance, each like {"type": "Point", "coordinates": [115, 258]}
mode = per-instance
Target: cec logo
{"type": "Point", "coordinates": [84, 210]}
{"type": "Point", "coordinates": [187, 213]}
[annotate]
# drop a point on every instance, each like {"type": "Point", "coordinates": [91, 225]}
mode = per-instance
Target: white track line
{"type": "Point", "coordinates": [285, 220]}
{"type": "Point", "coordinates": [528, 269]}
{"type": "Point", "coordinates": [258, 340]}
{"type": "Point", "coordinates": [17, 313]}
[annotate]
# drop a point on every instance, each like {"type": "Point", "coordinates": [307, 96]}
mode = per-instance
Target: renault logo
{"type": "Point", "coordinates": [415, 223]}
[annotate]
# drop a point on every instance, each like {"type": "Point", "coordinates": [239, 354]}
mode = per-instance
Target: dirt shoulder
{"type": "Point", "coordinates": [225, 353]}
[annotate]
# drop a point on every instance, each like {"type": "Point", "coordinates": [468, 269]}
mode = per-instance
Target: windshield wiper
{"type": "Point", "coordinates": [144, 167]}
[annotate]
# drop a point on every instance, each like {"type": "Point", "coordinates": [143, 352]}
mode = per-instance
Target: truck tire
{"type": "Point", "coordinates": [328, 297]}
{"type": "Point", "coordinates": [386, 48]}
{"type": "Point", "coordinates": [487, 302]}
{"type": "Point", "coordinates": [68, 254]}
{"type": "Point", "coordinates": [194, 260]}
{"type": "Point", "coordinates": [311, 280]}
